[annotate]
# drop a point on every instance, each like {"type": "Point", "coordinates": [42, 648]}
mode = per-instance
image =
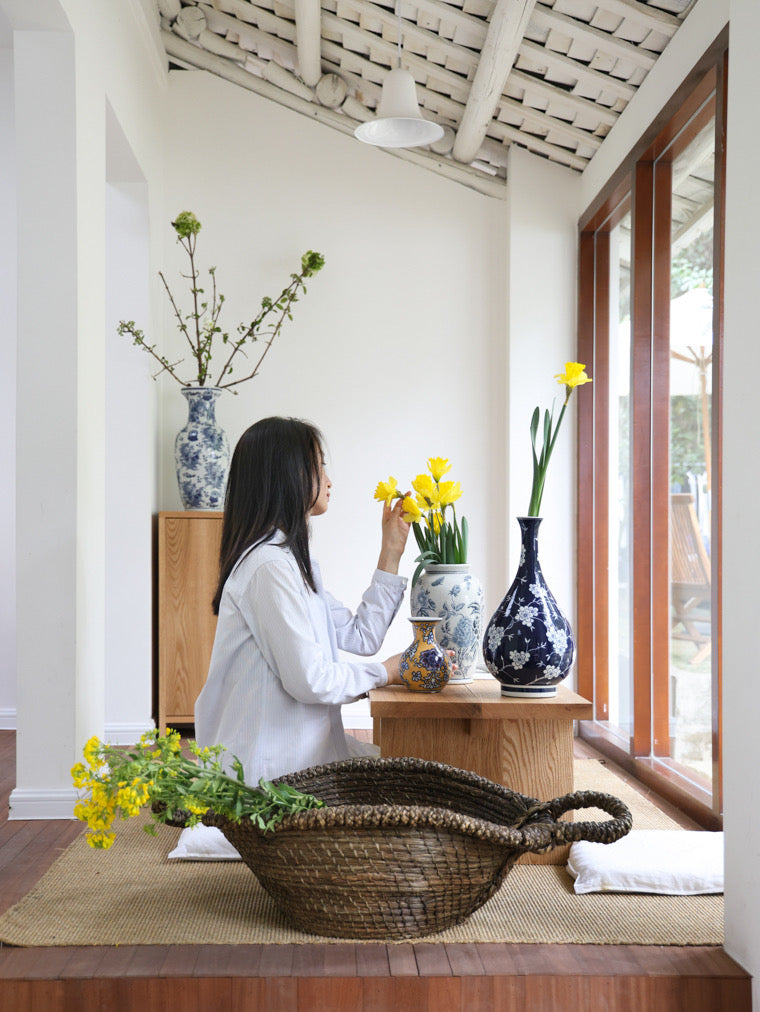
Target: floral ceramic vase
{"type": "Point", "coordinates": [202, 452]}
{"type": "Point", "coordinates": [424, 667]}
{"type": "Point", "coordinates": [453, 594]}
{"type": "Point", "coordinates": [528, 644]}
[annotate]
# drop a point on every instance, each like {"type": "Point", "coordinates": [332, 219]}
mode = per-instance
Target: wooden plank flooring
{"type": "Point", "coordinates": [330, 978]}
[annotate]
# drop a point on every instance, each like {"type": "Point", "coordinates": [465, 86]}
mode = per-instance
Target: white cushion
{"type": "Point", "coordinates": [673, 862]}
{"type": "Point", "coordinates": [203, 843]}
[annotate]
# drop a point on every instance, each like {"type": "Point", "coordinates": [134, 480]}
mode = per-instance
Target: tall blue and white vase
{"type": "Point", "coordinates": [452, 594]}
{"type": "Point", "coordinates": [528, 644]}
{"type": "Point", "coordinates": [202, 452]}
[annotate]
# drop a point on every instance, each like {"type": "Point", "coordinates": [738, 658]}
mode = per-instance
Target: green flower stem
{"type": "Point", "coordinates": [540, 465]}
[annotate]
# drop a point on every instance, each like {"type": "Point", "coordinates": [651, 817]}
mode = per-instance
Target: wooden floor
{"type": "Point", "coordinates": [331, 978]}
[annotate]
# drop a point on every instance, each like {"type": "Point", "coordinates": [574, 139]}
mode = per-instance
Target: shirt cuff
{"type": "Point", "coordinates": [391, 580]}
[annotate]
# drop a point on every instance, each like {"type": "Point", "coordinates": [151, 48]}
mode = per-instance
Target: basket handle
{"type": "Point", "coordinates": [547, 835]}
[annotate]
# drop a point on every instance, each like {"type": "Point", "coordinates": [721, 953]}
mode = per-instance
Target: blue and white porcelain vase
{"type": "Point", "coordinates": [528, 644]}
{"type": "Point", "coordinates": [452, 594]}
{"type": "Point", "coordinates": [202, 452]}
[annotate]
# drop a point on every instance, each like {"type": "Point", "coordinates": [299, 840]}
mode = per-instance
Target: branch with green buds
{"type": "Point", "coordinates": [200, 327]}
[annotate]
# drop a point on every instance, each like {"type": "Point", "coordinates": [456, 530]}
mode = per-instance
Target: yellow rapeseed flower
{"type": "Point", "coordinates": [91, 751]}
{"type": "Point", "coordinates": [412, 513]}
{"type": "Point", "coordinates": [438, 466]}
{"type": "Point", "coordinates": [387, 491]}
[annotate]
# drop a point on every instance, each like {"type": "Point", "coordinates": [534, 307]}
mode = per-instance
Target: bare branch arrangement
{"type": "Point", "coordinates": [201, 329]}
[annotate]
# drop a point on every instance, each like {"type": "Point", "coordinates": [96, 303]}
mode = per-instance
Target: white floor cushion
{"type": "Point", "coordinates": [673, 862]}
{"type": "Point", "coordinates": [203, 843]}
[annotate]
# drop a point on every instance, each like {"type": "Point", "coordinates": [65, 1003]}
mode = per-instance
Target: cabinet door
{"type": "Point", "coordinates": [188, 565]}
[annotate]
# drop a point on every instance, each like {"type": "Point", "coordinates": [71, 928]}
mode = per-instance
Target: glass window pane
{"type": "Point", "coordinates": [620, 501]}
{"type": "Point", "coordinates": [691, 346]}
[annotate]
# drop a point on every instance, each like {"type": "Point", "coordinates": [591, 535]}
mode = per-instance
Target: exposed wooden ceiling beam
{"type": "Point", "coordinates": [309, 40]}
{"type": "Point", "coordinates": [547, 19]}
{"type": "Point", "coordinates": [644, 14]}
{"type": "Point", "coordinates": [554, 93]}
{"type": "Point", "coordinates": [194, 56]}
{"type": "Point", "coordinates": [505, 32]}
{"type": "Point", "coordinates": [579, 71]}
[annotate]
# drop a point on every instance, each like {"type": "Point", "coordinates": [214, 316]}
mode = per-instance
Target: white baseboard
{"type": "Point", "coordinates": [8, 719]}
{"type": "Point", "coordinates": [126, 734]}
{"type": "Point", "coordinates": [53, 803]}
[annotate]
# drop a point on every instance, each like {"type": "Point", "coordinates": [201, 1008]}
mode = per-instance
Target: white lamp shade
{"type": "Point", "coordinates": [399, 123]}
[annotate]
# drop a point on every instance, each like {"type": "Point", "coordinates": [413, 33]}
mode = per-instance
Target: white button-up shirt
{"type": "Point", "coordinates": [276, 682]}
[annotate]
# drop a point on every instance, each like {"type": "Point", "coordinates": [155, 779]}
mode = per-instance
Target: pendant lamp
{"type": "Point", "coordinates": [399, 122]}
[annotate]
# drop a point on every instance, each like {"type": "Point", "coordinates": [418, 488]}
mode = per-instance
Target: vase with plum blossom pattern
{"type": "Point", "coordinates": [528, 644]}
{"type": "Point", "coordinates": [423, 666]}
{"type": "Point", "coordinates": [202, 452]}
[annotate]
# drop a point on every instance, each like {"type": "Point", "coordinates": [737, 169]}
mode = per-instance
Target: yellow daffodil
{"type": "Point", "coordinates": [387, 491]}
{"type": "Point", "coordinates": [573, 376]}
{"type": "Point", "coordinates": [427, 491]}
{"type": "Point", "coordinates": [438, 466]}
{"type": "Point", "coordinates": [411, 511]}
{"type": "Point", "coordinates": [441, 539]}
{"type": "Point", "coordinates": [449, 492]}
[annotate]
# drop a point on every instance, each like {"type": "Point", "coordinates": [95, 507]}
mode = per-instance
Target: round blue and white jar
{"type": "Point", "coordinates": [202, 452]}
{"type": "Point", "coordinates": [528, 644]}
{"type": "Point", "coordinates": [452, 594]}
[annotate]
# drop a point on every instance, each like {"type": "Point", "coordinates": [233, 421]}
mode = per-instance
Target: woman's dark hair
{"type": "Point", "coordinates": [273, 484]}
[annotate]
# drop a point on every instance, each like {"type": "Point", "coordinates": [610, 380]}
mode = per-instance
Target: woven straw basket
{"type": "Point", "coordinates": [403, 847]}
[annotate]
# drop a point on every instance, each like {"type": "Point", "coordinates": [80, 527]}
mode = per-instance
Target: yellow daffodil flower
{"type": "Point", "coordinates": [387, 491]}
{"type": "Point", "coordinates": [449, 492]}
{"type": "Point", "coordinates": [427, 491]}
{"type": "Point", "coordinates": [411, 511]}
{"type": "Point", "coordinates": [438, 466]}
{"type": "Point", "coordinates": [573, 376]}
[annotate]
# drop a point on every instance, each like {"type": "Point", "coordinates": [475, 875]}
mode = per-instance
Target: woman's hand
{"type": "Point", "coordinates": [395, 531]}
{"type": "Point", "coordinates": [391, 666]}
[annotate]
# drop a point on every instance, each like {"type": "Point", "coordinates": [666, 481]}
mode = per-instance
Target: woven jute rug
{"type": "Point", "coordinates": [132, 895]}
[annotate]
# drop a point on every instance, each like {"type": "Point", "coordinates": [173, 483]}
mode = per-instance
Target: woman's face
{"type": "Point", "coordinates": [323, 497]}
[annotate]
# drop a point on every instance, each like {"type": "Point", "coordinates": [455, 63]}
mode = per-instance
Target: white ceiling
{"type": "Point", "coordinates": [549, 75]}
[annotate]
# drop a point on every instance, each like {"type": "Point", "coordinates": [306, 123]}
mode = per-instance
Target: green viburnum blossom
{"type": "Point", "coordinates": [200, 326]}
{"type": "Point", "coordinates": [440, 538]}
{"type": "Point", "coordinates": [573, 376]}
{"type": "Point", "coordinates": [119, 783]}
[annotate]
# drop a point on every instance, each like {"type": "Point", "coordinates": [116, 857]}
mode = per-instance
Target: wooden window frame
{"type": "Point", "coordinates": [643, 184]}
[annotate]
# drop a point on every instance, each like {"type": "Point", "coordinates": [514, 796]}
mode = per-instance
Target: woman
{"type": "Point", "coordinates": [276, 682]}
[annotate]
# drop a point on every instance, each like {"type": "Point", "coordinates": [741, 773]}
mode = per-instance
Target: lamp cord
{"type": "Point", "coordinates": [398, 12]}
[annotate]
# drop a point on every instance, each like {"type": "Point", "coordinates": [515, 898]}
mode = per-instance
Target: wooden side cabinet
{"type": "Point", "coordinates": [188, 567]}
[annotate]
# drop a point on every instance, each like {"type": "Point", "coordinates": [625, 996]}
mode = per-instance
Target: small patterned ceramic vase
{"type": "Point", "coordinates": [424, 667]}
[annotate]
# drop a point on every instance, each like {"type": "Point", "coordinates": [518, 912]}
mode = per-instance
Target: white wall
{"type": "Point", "coordinates": [7, 380]}
{"type": "Point", "coordinates": [543, 205]}
{"type": "Point", "coordinates": [741, 493]}
{"type": "Point", "coordinates": [62, 88]}
{"type": "Point", "coordinates": [396, 352]}
{"type": "Point", "coordinates": [741, 485]}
